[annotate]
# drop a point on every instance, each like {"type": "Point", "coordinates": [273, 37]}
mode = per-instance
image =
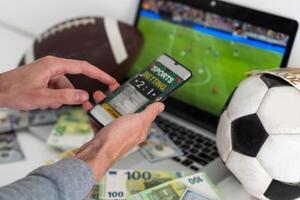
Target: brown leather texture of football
{"type": "Point", "coordinates": [106, 43]}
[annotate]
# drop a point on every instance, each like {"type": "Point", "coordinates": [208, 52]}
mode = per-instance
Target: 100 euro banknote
{"type": "Point", "coordinates": [72, 130]}
{"type": "Point", "coordinates": [120, 184]}
{"type": "Point", "coordinates": [199, 184]}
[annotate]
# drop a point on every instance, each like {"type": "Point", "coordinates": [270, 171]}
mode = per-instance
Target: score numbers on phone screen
{"type": "Point", "coordinates": [145, 88]}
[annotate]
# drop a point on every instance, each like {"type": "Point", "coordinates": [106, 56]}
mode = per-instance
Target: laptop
{"type": "Point", "coordinates": [220, 42]}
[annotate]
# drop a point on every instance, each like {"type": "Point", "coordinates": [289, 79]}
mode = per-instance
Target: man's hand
{"type": "Point", "coordinates": [117, 138]}
{"type": "Point", "coordinates": [43, 84]}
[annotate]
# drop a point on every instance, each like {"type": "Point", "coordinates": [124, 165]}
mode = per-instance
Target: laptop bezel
{"type": "Point", "coordinates": [259, 18]}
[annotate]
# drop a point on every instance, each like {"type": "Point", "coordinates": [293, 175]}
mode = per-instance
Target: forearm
{"type": "Point", "coordinates": [4, 97]}
{"type": "Point", "coordinates": [4, 100]}
{"type": "Point", "coordinates": [69, 179]}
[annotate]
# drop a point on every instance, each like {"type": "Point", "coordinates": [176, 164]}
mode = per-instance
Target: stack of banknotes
{"type": "Point", "coordinates": [154, 185]}
{"type": "Point", "coordinates": [10, 150]}
{"type": "Point", "coordinates": [22, 119]}
{"type": "Point", "coordinates": [71, 131]}
{"type": "Point", "coordinates": [120, 184]}
{"type": "Point", "coordinates": [10, 121]}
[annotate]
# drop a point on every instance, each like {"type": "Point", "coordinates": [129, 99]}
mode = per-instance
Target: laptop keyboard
{"type": "Point", "coordinates": [197, 149]}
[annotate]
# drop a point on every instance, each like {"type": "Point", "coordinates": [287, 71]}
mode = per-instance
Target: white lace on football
{"type": "Point", "coordinates": [67, 25]}
{"type": "Point", "coordinates": [116, 41]}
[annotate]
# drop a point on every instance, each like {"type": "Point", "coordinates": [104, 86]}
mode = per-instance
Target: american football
{"type": "Point", "coordinates": [106, 43]}
{"type": "Point", "coordinates": [258, 137]}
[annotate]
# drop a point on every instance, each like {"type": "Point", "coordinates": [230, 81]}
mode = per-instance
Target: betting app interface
{"type": "Point", "coordinates": [152, 84]}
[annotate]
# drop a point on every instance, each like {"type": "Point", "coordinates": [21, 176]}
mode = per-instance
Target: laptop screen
{"type": "Point", "coordinates": [218, 50]}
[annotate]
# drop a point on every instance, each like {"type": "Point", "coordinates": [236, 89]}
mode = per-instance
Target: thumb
{"type": "Point", "coordinates": [48, 97]}
{"type": "Point", "coordinates": [151, 112]}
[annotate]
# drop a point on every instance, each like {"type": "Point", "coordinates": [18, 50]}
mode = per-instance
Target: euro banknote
{"type": "Point", "coordinates": [291, 75]}
{"type": "Point", "coordinates": [71, 131]}
{"type": "Point", "coordinates": [119, 184]}
{"type": "Point", "coordinates": [94, 194]}
{"type": "Point", "coordinates": [177, 189]}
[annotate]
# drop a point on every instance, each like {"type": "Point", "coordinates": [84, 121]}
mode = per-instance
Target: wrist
{"type": "Point", "coordinates": [98, 158]}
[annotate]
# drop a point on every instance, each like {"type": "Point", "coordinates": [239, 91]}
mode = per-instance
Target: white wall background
{"type": "Point", "coordinates": [34, 16]}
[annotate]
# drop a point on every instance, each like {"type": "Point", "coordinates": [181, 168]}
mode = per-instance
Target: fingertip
{"type": "Point", "coordinates": [153, 110]}
{"type": "Point", "coordinates": [82, 96]}
{"type": "Point", "coordinates": [87, 106]}
{"type": "Point", "coordinates": [98, 96]}
{"type": "Point", "coordinates": [114, 86]}
{"type": "Point", "coordinates": [161, 107]}
{"type": "Point", "coordinates": [158, 107]}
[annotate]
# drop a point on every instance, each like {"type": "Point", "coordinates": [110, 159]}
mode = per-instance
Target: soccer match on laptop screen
{"type": "Point", "coordinates": [220, 51]}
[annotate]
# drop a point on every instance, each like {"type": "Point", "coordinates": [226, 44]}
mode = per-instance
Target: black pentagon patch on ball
{"type": "Point", "coordinates": [273, 81]}
{"type": "Point", "coordinates": [278, 191]}
{"type": "Point", "coordinates": [248, 135]}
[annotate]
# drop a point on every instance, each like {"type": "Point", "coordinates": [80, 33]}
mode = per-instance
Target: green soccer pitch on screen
{"type": "Point", "coordinates": [219, 51]}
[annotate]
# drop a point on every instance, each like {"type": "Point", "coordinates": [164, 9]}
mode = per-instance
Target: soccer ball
{"type": "Point", "coordinates": [258, 137]}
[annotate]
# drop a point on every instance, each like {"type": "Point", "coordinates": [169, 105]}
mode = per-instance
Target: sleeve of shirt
{"type": "Point", "coordinates": [68, 179]}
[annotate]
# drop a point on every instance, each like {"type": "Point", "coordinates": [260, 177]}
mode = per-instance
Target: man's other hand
{"type": "Point", "coordinates": [43, 84]}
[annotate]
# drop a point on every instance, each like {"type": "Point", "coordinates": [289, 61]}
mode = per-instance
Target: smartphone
{"type": "Point", "coordinates": [154, 83]}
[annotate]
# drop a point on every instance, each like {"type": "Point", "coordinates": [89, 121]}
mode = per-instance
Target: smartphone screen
{"type": "Point", "coordinates": [154, 83]}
